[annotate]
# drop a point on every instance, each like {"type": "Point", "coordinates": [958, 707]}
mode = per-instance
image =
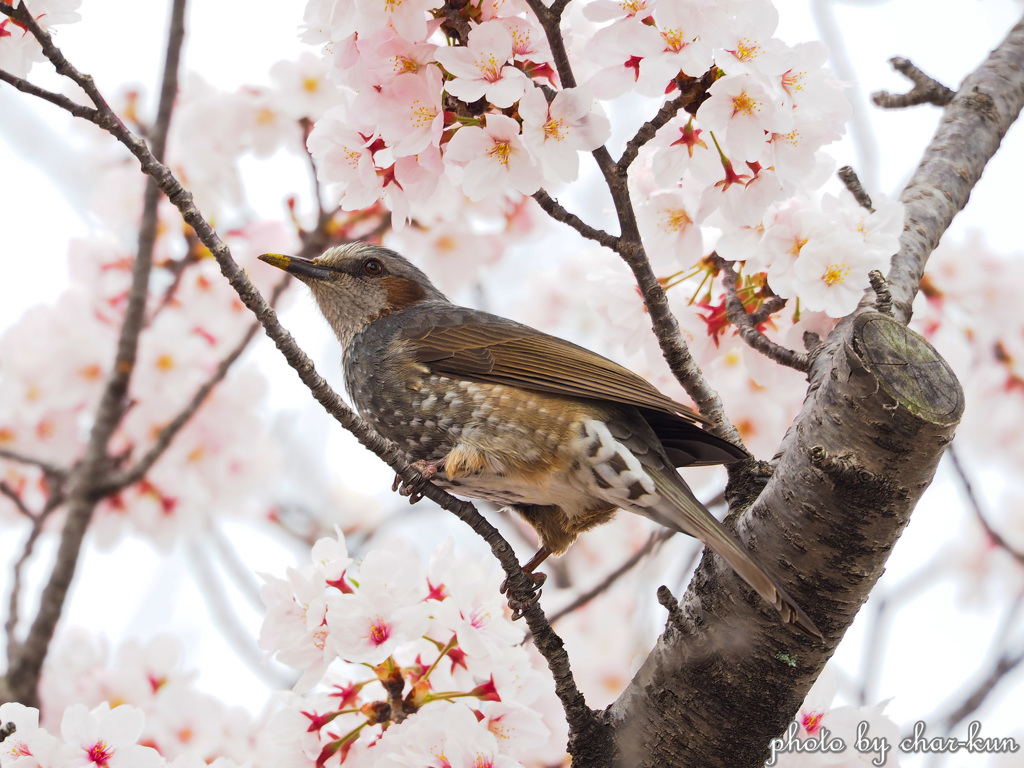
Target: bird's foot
{"type": "Point", "coordinates": [427, 469]}
{"type": "Point", "coordinates": [520, 602]}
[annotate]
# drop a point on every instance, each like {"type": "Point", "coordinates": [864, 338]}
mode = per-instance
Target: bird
{"type": "Point", "coordinates": [492, 409]}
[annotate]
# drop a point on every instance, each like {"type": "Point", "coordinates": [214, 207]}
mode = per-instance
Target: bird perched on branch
{"type": "Point", "coordinates": [492, 409]}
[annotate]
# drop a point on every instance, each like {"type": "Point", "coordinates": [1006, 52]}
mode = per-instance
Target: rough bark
{"type": "Point", "coordinates": [865, 447]}
{"type": "Point", "coordinates": [880, 409]}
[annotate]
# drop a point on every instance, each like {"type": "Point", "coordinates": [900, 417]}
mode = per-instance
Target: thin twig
{"type": "Point", "coordinates": [242, 575]}
{"type": "Point", "coordinates": [59, 100]}
{"type": "Point", "coordinates": [653, 541]}
{"type": "Point", "coordinates": [15, 497]}
{"type": "Point", "coordinates": [770, 306]}
{"type": "Point", "coordinates": [554, 209]}
{"type": "Point", "coordinates": [38, 521]}
{"type": "Point", "coordinates": [926, 90]}
{"type": "Point", "coordinates": [1004, 665]}
{"type": "Point", "coordinates": [222, 613]}
{"type": "Point", "coordinates": [737, 314]}
{"type": "Point", "coordinates": [692, 93]}
{"type": "Point", "coordinates": [648, 130]}
{"type": "Point", "coordinates": [551, 20]}
{"type": "Point", "coordinates": [975, 505]}
{"type": "Point", "coordinates": [50, 469]}
{"type": "Point", "coordinates": [851, 181]}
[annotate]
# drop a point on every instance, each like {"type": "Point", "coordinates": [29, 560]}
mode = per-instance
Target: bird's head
{"type": "Point", "coordinates": [357, 283]}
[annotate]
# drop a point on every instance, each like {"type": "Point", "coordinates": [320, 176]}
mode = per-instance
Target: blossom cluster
{"type": "Point", "coordinates": [473, 100]}
{"type": "Point", "coordinates": [399, 661]}
{"type": "Point", "coordinates": [56, 361]}
{"type": "Point", "coordinates": [139, 709]}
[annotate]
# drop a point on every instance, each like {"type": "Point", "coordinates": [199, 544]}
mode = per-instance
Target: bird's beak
{"type": "Point", "coordinates": [301, 268]}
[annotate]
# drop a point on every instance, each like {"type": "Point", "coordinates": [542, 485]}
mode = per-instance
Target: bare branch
{"type": "Point", "coordinates": [974, 123]}
{"type": "Point", "coordinates": [653, 542]}
{"type": "Point", "coordinates": [737, 314]}
{"type": "Point", "coordinates": [61, 101]}
{"type": "Point", "coordinates": [50, 469]}
{"type": "Point", "coordinates": [851, 181]}
{"type": "Point", "coordinates": [975, 505]}
{"type": "Point", "coordinates": [926, 90]}
{"type": "Point", "coordinates": [554, 209]}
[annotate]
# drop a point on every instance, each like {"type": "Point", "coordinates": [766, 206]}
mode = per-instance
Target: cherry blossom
{"type": "Point", "coordinates": [493, 157]}
{"type": "Point", "coordinates": [302, 88]}
{"type": "Point", "coordinates": [410, 113]}
{"type": "Point", "coordinates": [344, 160]}
{"type": "Point", "coordinates": [106, 738]}
{"type": "Point", "coordinates": [740, 111]}
{"type": "Point", "coordinates": [671, 234]}
{"type": "Point", "coordinates": [556, 132]}
{"type": "Point", "coordinates": [18, 48]}
{"type": "Point", "coordinates": [480, 68]}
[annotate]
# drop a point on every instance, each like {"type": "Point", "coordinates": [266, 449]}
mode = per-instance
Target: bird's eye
{"type": "Point", "coordinates": [373, 268]}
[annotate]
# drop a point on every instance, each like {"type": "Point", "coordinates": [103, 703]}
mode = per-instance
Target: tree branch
{"type": "Point", "coordinates": [974, 123]}
{"type": "Point", "coordinates": [1004, 665]}
{"type": "Point", "coordinates": [19, 503]}
{"type": "Point", "coordinates": [926, 90]}
{"type": "Point", "coordinates": [975, 504]}
{"type": "Point", "coordinates": [655, 540]}
{"type": "Point", "coordinates": [60, 100]}
{"type": "Point", "coordinates": [692, 93]}
{"type": "Point", "coordinates": [738, 316]}
{"type": "Point", "coordinates": [14, 599]}
{"type": "Point", "coordinates": [48, 468]}
{"type": "Point", "coordinates": [880, 408]}
{"type": "Point", "coordinates": [555, 210]}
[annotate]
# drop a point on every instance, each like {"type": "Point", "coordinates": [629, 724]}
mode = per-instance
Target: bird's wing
{"type": "Point", "coordinates": [476, 345]}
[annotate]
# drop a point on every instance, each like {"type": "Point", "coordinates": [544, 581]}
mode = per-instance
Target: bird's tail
{"type": "Point", "coordinates": [684, 512]}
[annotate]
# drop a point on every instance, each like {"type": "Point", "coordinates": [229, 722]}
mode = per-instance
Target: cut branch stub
{"type": "Point", "coordinates": [881, 409]}
{"type": "Point", "coordinates": [909, 369]}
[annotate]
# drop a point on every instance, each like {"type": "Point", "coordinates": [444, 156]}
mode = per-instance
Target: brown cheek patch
{"type": "Point", "coordinates": [402, 292]}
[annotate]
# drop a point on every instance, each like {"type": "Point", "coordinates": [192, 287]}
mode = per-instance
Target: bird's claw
{"type": "Point", "coordinates": [519, 606]}
{"type": "Point", "coordinates": [520, 602]}
{"type": "Point", "coordinates": [411, 490]}
{"type": "Point", "coordinates": [427, 470]}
